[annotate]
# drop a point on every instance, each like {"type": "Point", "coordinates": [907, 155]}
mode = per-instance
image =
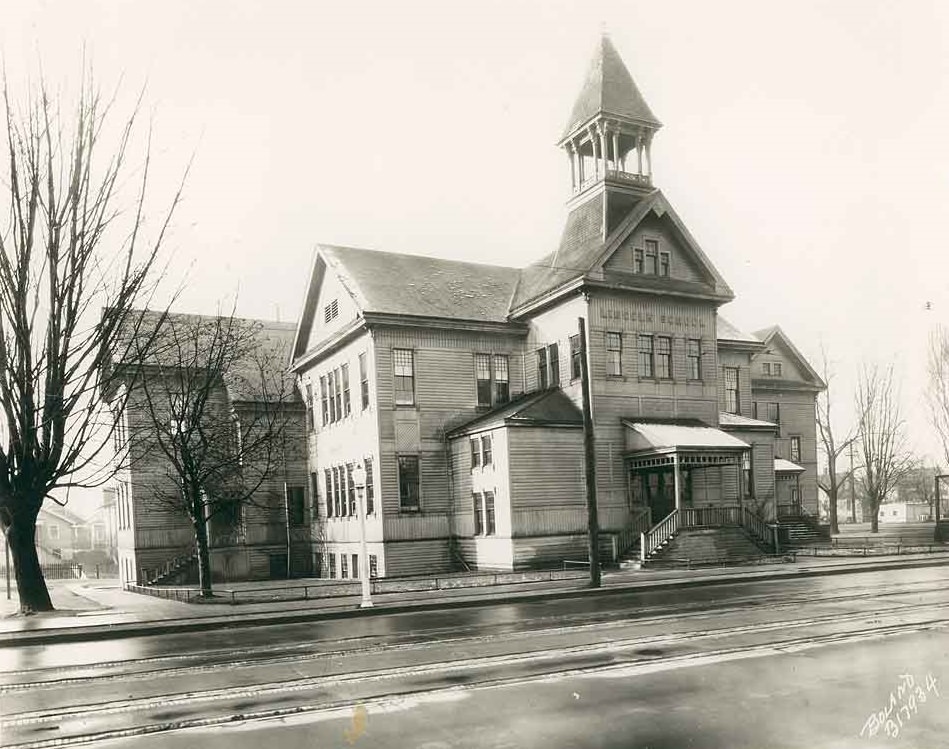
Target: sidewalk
{"type": "Point", "coordinates": [100, 609]}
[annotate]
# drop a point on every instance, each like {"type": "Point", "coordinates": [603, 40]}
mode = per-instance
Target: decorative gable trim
{"type": "Point", "coordinates": [768, 335]}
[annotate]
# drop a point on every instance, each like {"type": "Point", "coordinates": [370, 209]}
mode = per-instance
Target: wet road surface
{"type": "Point", "coordinates": [711, 666]}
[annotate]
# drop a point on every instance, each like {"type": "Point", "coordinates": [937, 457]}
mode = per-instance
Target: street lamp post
{"type": "Point", "coordinates": [359, 479]}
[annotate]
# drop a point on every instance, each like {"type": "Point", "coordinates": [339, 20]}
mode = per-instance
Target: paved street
{"type": "Point", "coordinates": [793, 663]}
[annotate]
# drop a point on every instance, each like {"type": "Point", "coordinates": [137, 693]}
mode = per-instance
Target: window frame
{"type": "Point", "coordinates": [501, 394]}
{"type": "Point", "coordinates": [409, 458]}
{"type": "Point", "coordinates": [363, 380]}
{"type": "Point", "coordinates": [474, 445]}
{"type": "Point", "coordinates": [347, 401]}
{"type": "Point", "coordinates": [663, 358]}
{"type": "Point", "coordinates": [646, 356]}
{"type": "Point", "coordinates": [694, 360]}
{"type": "Point", "coordinates": [613, 340]}
{"type": "Point", "coordinates": [409, 399]}
{"type": "Point", "coordinates": [477, 500]}
{"type": "Point", "coordinates": [490, 518]}
{"type": "Point", "coordinates": [483, 380]}
{"type": "Point", "coordinates": [651, 252]}
{"type": "Point", "coordinates": [543, 375]}
{"type": "Point", "coordinates": [487, 450]}
{"type": "Point", "coordinates": [370, 488]}
{"type": "Point", "coordinates": [576, 363]}
{"type": "Point", "coordinates": [729, 391]}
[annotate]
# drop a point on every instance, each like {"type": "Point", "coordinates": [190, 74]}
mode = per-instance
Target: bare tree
{"type": "Point", "coordinates": [881, 438]}
{"type": "Point", "coordinates": [215, 407]}
{"type": "Point", "coordinates": [67, 250]}
{"type": "Point", "coordinates": [831, 446]}
{"type": "Point", "coordinates": [937, 390]}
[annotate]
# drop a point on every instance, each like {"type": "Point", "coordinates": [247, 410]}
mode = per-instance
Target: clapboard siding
{"type": "Point", "coordinates": [797, 418]}
{"type": "Point", "coordinates": [683, 265]}
{"type": "Point", "coordinates": [493, 553]}
{"type": "Point", "coordinates": [546, 467]}
{"type": "Point", "coordinates": [742, 362]}
{"type": "Point", "coordinates": [417, 558]}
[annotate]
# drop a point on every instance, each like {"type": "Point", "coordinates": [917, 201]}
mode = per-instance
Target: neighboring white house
{"type": "Point", "coordinates": [904, 512]}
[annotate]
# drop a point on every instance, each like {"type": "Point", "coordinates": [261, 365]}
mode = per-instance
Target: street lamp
{"type": "Point", "coordinates": [359, 479]}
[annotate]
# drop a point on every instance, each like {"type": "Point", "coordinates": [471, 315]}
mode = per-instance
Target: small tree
{"type": "Point", "coordinates": [881, 438]}
{"type": "Point", "coordinates": [216, 404]}
{"type": "Point", "coordinates": [67, 250]}
{"type": "Point", "coordinates": [831, 447]}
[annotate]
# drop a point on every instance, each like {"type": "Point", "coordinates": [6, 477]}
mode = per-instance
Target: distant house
{"type": "Point", "coordinates": [905, 512]}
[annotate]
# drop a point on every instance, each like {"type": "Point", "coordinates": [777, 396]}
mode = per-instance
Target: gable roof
{"type": "Point", "coordinates": [768, 335]}
{"type": "Point", "coordinates": [549, 407]}
{"type": "Point", "coordinates": [609, 89]}
{"type": "Point", "coordinates": [725, 331]}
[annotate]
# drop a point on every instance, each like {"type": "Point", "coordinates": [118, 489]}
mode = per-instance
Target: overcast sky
{"type": "Point", "coordinates": [805, 144]}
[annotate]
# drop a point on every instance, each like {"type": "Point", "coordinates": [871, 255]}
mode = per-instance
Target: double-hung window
{"type": "Point", "coordinates": [489, 526]}
{"type": "Point", "coordinates": [475, 453]}
{"type": "Point", "coordinates": [331, 387]}
{"type": "Point", "coordinates": [774, 413]}
{"type": "Point", "coordinates": [409, 483]}
{"type": "Point", "coordinates": [351, 486]}
{"type": "Point", "coordinates": [732, 400]}
{"type": "Point", "coordinates": [663, 357]}
{"type": "Point", "coordinates": [478, 506]}
{"type": "Point", "coordinates": [347, 405]}
{"type": "Point", "coordinates": [795, 449]}
{"type": "Point", "coordinates": [363, 381]}
{"type": "Point", "coordinates": [483, 378]}
{"type": "Point", "coordinates": [403, 366]}
{"type": "Point", "coordinates": [543, 381]}
{"type": "Point", "coordinates": [664, 264]}
{"type": "Point", "coordinates": [652, 259]}
{"type": "Point", "coordinates": [646, 363]}
{"type": "Point", "coordinates": [486, 450]}
{"type": "Point", "coordinates": [694, 358]}
{"type": "Point", "coordinates": [328, 476]}
{"type": "Point", "coordinates": [575, 353]}
{"type": "Point", "coordinates": [492, 379]}
{"type": "Point", "coordinates": [614, 354]}
{"type": "Point", "coordinates": [502, 379]}
{"type": "Point", "coordinates": [370, 490]}
{"type": "Point", "coordinates": [638, 260]}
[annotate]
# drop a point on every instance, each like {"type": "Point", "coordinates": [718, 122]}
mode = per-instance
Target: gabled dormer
{"type": "Point", "coordinates": [780, 366]}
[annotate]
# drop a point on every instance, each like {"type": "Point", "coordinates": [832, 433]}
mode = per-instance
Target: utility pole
{"type": "Point", "coordinates": [593, 523]}
{"type": "Point", "coordinates": [853, 494]}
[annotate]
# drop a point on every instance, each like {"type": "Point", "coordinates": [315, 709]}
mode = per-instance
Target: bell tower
{"type": "Point", "coordinates": [609, 135]}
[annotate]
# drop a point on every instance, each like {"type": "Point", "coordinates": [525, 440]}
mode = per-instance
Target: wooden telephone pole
{"type": "Point", "coordinates": [593, 523]}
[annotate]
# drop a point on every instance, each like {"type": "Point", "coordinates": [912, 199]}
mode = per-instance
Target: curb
{"type": "Point", "coordinates": [160, 627]}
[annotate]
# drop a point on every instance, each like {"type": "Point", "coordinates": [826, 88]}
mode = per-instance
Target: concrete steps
{"type": "Point", "coordinates": [707, 547]}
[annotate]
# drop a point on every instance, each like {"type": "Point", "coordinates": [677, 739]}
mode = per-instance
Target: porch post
{"type": "Point", "coordinates": [675, 476]}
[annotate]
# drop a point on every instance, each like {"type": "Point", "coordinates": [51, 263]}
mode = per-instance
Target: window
{"type": "Point", "coordinates": [637, 261]}
{"type": "Point", "coordinates": [363, 381]}
{"type": "Point", "coordinates": [338, 394]}
{"type": "Point", "coordinates": [347, 406]}
{"type": "Point", "coordinates": [327, 475]}
{"type": "Point", "coordinates": [486, 450]}
{"type": "Point", "coordinates": [483, 377]}
{"type": "Point", "coordinates": [475, 453]}
{"type": "Point", "coordinates": [663, 357]}
{"type": "Point", "coordinates": [731, 390]}
{"type": "Point", "coordinates": [694, 358]}
{"type": "Point", "coordinates": [409, 482]}
{"type": "Point", "coordinates": [324, 401]}
{"type": "Point", "coordinates": [646, 367]}
{"type": "Point", "coordinates": [53, 531]}
{"type": "Point", "coordinates": [296, 505]}
{"type": "Point", "coordinates": [795, 449]}
{"type": "Point", "coordinates": [766, 368]}
{"type": "Point", "coordinates": [575, 364]}
{"type": "Point", "coordinates": [774, 412]}
{"type": "Point", "coordinates": [343, 566]}
{"type": "Point", "coordinates": [353, 511]}
{"type": "Point", "coordinates": [489, 527]}
{"type": "Point", "coordinates": [776, 369]}
{"type": "Point", "coordinates": [309, 407]}
{"type": "Point", "coordinates": [315, 493]}
{"type": "Point", "coordinates": [614, 354]}
{"type": "Point", "coordinates": [478, 518]}
{"type": "Point", "coordinates": [663, 263]}
{"type": "Point", "coordinates": [502, 385]}
{"type": "Point", "coordinates": [370, 489]}
{"type": "Point", "coordinates": [754, 410]}
{"type": "Point", "coordinates": [373, 566]}
{"type": "Point", "coordinates": [337, 493]}
{"type": "Point", "coordinates": [331, 311]}
{"type": "Point", "coordinates": [404, 370]}
{"type": "Point", "coordinates": [331, 387]}
{"type": "Point", "coordinates": [652, 251]}
{"type": "Point", "coordinates": [747, 472]}
{"type": "Point", "coordinates": [355, 566]}
{"type": "Point", "coordinates": [332, 558]}
{"type": "Point", "coordinates": [553, 353]}
{"type": "Point", "coordinates": [542, 379]}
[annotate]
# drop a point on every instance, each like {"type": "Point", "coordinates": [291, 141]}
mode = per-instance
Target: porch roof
{"type": "Point", "coordinates": [549, 407]}
{"type": "Point", "coordinates": [678, 435]}
{"type": "Point", "coordinates": [786, 466]}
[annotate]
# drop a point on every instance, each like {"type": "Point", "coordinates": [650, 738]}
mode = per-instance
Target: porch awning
{"type": "Point", "coordinates": [650, 443]}
{"type": "Point", "coordinates": [786, 467]}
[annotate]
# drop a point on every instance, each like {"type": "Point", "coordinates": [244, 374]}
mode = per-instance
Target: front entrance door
{"type": "Point", "coordinates": [659, 488]}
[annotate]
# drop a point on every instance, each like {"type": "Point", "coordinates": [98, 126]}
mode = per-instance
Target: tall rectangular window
{"type": "Point", "coordinates": [554, 353]}
{"type": "Point", "coordinates": [483, 378]}
{"type": "Point", "coordinates": [502, 384]}
{"type": "Point", "coordinates": [693, 357]}
{"type": "Point", "coordinates": [315, 493]}
{"type": "Point", "coordinates": [732, 401]}
{"type": "Point", "coordinates": [347, 405]}
{"type": "Point", "coordinates": [486, 449]}
{"type": "Point", "coordinates": [332, 560]}
{"type": "Point", "coordinates": [774, 413]}
{"type": "Point", "coordinates": [337, 493]}
{"type": "Point", "coordinates": [355, 566]}
{"type": "Point", "coordinates": [343, 566]}
{"type": "Point", "coordinates": [373, 566]}
{"type": "Point", "coordinates": [409, 482]}
{"type": "Point", "coordinates": [309, 406]}
{"type": "Point", "coordinates": [646, 364]}
{"type": "Point", "coordinates": [403, 366]}
{"type": "Point", "coordinates": [614, 354]}
{"type": "Point", "coordinates": [747, 471]}
{"type": "Point", "coordinates": [296, 505]}
{"type": "Point", "coordinates": [776, 369]}
{"type": "Point", "coordinates": [338, 394]}
{"type": "Point", "coordinates": [324, 401]}
{"type": "Point", "coordinates": [652, 251]}
{"type": "Point", "coordinates": [475, 453]}
{"type": "Point", "coordinates": [489, 526]}
{"type": "Point", "coordinates": [663, 357]}
{"type": "Point", "coordinates": [637, 260]}
{"type": "Point", "coordinates": [663, 263]}
{"type": "Point", "coordinates": [477, 501]}
{"type": "Point", "coordinates": [331, 386]}
{"type": "Point", "coordinates": [353, 511]}
{"type": "Point", "coordinates": [363, 381]}
{"type": "Point", "coordinates": [795, 449]}
{"type": "Point", "coordinates": [328, 476]}
{"type": "Point", "coordinates": [370, 488]}
{"type": "Point", "coordinates": [542, 380]}
{"type": "Point", "coordinates": [575, 366]}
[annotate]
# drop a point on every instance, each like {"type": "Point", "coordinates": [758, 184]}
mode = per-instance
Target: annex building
{"type": "Point", "coordinates": [458, 384]}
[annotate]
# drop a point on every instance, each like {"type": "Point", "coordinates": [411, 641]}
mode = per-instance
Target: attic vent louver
{"type": "Point", "coordinates": [331, 311]}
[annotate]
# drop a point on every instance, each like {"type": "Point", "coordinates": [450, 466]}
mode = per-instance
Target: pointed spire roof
{"type": "Point", "coordinates": [609, 89]}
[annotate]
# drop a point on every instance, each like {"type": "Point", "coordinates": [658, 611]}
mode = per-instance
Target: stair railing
{"type": "Point", "coordinates": [757, 528]}
{"type": "Point", "coordinates": [651, 540]}
{"type": "Point", "coordinates": [637, 524]}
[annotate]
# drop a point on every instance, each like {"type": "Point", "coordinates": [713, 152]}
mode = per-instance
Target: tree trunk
{"type": "Point", "coordinates": [832, 509]}
{"type": "Point", "coordinates": [204, 555]}
{"type": "Point", "coordinates": [874, 516]}
{"type": "Point", "coordinates": [30, 583]}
